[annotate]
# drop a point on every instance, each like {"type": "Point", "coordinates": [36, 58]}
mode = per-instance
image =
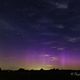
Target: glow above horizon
{"type": "Point", "coordinates": [32, 60]}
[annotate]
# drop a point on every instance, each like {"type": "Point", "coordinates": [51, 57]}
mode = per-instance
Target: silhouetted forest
{"type": "Point", "coordinates": [53, 74]}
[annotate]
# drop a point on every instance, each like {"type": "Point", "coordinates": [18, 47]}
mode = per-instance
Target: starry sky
{"type": "Point", "coordinates": [37, 34]}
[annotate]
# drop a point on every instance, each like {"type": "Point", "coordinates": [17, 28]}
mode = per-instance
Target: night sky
{"type": "Point", "coordinates": [37, 34]}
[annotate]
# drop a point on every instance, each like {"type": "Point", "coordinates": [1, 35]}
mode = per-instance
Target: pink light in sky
{"type": "Point", "coordinates": [38, 60]}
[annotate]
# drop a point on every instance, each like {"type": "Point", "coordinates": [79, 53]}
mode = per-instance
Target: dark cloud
{"type": "Point", "coordinates": [60, 5]}
{"type": "Point", "coordinates": [49, 34]}
{"type": "Point", "coordinates": [76, 28]}
{"type": "Point", "coordinates": [73, 39]}
{"type": "Point", "coordinates": [48, 42]}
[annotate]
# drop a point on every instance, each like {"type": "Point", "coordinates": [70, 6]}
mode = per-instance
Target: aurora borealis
{"type": "Point", "coordinates": [37, 34]}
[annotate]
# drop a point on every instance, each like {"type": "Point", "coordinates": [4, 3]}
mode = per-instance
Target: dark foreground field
{"type": "Point", "coordinates": [40, 75]}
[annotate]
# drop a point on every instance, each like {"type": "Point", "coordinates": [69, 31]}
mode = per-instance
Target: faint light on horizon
{"type": "Point", "coordinates": [39, 67]}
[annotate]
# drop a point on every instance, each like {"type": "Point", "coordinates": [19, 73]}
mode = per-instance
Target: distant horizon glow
{"type": "Point", "coordinates": [43, 60]}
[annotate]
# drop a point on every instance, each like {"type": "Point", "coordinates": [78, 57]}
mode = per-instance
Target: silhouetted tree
{"type": "Point", "coordinates": [0, 69]}
{"type": "Point", "coordinates": [21, 69]}
{"type": "Point", "coordinates": [41, 69]}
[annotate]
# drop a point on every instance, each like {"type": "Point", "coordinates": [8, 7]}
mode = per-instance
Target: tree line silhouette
{"type": "Point", "coordinates": [53, 74]}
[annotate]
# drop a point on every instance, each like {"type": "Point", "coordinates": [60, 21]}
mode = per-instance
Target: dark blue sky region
{"type": "Point", "coordinates": [40, 25]}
